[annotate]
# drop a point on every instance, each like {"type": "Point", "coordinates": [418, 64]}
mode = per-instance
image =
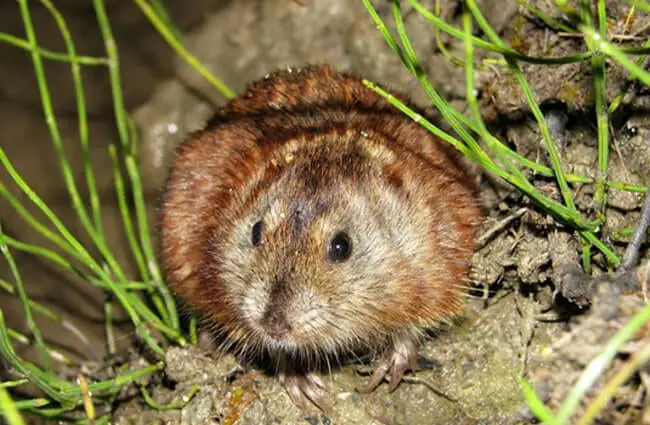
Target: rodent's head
{"type": "Point", "coordinates": [321, 257]}
{"type": "Point", "coordinates": [330, 244]}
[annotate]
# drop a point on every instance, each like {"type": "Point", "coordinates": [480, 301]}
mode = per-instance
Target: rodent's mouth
{"type": "Point", "coordinates": [283, 345]}
{"type": "Point", "coordinates": [288, 345]}
{"type": "Point", "coordinates": [304, 330]}
{"type": "Point", "coordinates": [273, 340]}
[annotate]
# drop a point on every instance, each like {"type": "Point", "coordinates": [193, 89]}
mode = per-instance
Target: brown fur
{"type": "Point", "coordinates": [311, 153]}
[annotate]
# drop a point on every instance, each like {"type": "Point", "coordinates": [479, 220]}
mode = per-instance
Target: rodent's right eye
{"type": "Point", "coordinates": [256, 236]}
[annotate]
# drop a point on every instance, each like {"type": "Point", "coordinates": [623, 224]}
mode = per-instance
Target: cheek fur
{"type": "Point", "coordinates": [252, 300]}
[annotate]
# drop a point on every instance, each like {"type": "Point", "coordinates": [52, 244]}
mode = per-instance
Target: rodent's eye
{"type": "Point", "coordinates": [340, 247]}
{"type": "Point", "coordinates": [256, 236]}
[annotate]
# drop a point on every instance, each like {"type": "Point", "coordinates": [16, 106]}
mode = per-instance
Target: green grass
{"type": "Point", "coordinates": [146, 298]}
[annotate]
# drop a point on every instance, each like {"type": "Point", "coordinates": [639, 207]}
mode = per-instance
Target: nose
{"type": "Point", "coordinates": [275, 322]}
{"type": "Point", "coordinates": [274, 319]}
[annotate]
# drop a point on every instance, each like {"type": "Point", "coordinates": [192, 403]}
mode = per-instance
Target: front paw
{"type": "Point", "coordinates": [399, 358]}
{"type": "Point", "coordinates": [304, 388]}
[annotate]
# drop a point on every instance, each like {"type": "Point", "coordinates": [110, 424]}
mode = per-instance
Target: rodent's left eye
{"type": "Point", "coordinates": [340, 247]}
{"type": "Point", "coordinates": [256, 236]}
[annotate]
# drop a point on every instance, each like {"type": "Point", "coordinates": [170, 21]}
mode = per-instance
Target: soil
{"type": "Point", "coordinates": [470, 371]}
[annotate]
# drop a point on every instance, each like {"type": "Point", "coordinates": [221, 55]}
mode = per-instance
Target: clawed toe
{"type": "Point", "coordinates": [380, 369]}
{"type": "Point", "coordinates": [304, 388]}
{"type": "Point", "coordinates": [392, 366]}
